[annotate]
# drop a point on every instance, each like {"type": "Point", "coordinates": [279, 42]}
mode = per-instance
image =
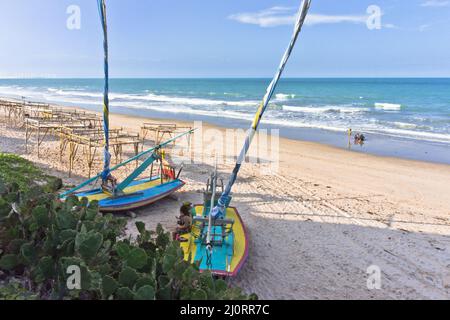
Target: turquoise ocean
{"type": "Point", "coordinates": [408, 118]}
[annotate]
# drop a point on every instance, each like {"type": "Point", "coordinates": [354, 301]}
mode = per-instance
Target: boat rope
{"type": "Point", "coordinates": [107, 155]}
{"type": "Point", "coordinates": [224, 199]}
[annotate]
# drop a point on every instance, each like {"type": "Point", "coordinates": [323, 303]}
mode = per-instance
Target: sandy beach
{"type": "Point", "coordinates": [317, 222]}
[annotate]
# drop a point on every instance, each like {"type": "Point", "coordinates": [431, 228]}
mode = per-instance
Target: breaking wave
{"type": "Point", "coordinates": [388, 106]}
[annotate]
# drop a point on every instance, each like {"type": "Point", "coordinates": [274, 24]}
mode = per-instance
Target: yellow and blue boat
{"type": "Point", "coordinates": [221, 249]}
{"type": "Point", "coordinates": [133, 192]}
{"type": "Point", "coordinates": [138, 194]}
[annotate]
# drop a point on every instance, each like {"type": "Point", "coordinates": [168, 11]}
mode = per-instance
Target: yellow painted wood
{"type": "Point", "coordinates": [128, 190]}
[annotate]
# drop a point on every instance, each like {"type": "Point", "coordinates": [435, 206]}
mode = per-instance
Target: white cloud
{"type": "Point", "coordinates": [275, 16]}
{"type": "Point", "coordinates": [314, 19]}
{"type": "Point", "coordinates": [390, 26]}
{"type": "Point", "coordinates": [278, 16]}
{"type": "Point", "coordinates": [424, 27]}
{"type": "Point", "coordinates": [435, 3]}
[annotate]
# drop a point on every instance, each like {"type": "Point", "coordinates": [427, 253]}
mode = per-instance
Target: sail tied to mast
{"type": "Point", "coordinates": [224, 199]}
{"type": "Point", "coordinates": [107, 156]}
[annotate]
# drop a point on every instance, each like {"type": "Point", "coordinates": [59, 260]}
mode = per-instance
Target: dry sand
{"type": "Point", "coordinates": [318, 223]}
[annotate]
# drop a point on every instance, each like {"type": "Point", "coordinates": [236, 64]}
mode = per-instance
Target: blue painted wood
{"type": "Point", "coordinates": [140, 197]}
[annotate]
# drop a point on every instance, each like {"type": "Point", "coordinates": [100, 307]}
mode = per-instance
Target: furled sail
{"type": "Point", "coordinates": [303, 11]}
{"type": "Point", "coordinates": [107, 156]}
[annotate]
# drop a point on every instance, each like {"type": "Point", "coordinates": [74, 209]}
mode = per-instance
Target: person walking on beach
{"type": "Point", "coordinates": [349, 132]}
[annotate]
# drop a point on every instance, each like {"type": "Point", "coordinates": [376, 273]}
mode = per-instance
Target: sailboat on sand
{"type": "Point", "coordinates": [218, 241]}
{"type": "Point", "coordinates": [132, 192]}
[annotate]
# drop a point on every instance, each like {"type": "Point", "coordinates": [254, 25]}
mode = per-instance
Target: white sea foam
{"type": "Point", "coordinates": [405, 125]}
{"type": "Point", "coordinates": [80, 94]}
{"type": "Point", "coordinates": [195, 101]}
{"type": "Point", "coordinates": [178, 109]}
{"type": "Point", "coordinates": [324, 117]}
{"type": "Point", "coordinates": [232, 94]}
{"type": "Point", "coordinates": [327, 109]}
{"type": "Point", "coordinates": [177, 100]}
{"type": "Point", "coordinates": [233, 115]}
{"type": "Point", "coordinates": [299, 123]}
{"type": "Point", "coordinates": [71, 100]}
{"type": "Point", "coordinates": [421, 135]}
{"type": "Point", "coordinates": [388, 106]}
{"type": "Point", "coordinates": [284, 97]}
{"type": "Point", "coordinates": [151, 97]}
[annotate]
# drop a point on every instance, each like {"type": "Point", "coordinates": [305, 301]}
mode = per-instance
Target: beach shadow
{"type": "Point", "coordinates": [297, 256]}
{"type": "Point", "coordinates": [255, 197]}
{"type": "Point", "coordinates": [387, 222]}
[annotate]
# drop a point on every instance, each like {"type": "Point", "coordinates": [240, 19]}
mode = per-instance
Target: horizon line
{"type": "Point", "coordinates": [227, 77]}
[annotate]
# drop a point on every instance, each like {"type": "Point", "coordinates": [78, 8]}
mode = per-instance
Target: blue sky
{"type": "Point", "coordinates": [225, 38]}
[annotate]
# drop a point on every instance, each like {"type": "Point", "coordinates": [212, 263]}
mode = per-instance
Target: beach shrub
{"type": "Point", "coordinates": [14, 290]}
{"type": "Point", "coordinates": [15, 169]}
{"type": "Point", "coordinates": [68, 250]}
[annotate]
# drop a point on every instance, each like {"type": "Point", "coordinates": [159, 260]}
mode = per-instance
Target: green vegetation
{"type": "Point", "coordinates": [42, 239]}
{"type": "Point", "coordinates": [14, 169]}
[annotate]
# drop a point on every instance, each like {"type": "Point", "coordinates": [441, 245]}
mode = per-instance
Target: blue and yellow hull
{"type": "Point", "coordinates": [138, 194]}
{"type": "Point", "coordinates": [227, 259]}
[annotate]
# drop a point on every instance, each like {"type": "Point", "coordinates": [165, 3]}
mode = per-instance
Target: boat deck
{"type": "Point", "coordinates": [226, 259]}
